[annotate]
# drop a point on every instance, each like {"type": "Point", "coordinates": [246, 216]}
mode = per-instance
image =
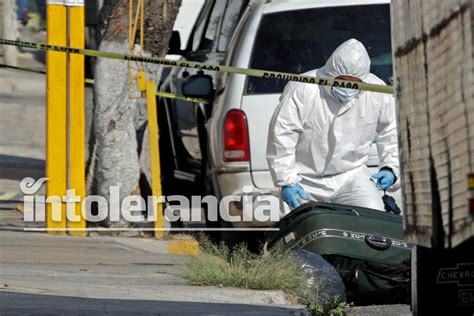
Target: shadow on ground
{"type": "Point", "coordinates": [17, 168]}
{"type": "Point", "coordinates": [13, 303]}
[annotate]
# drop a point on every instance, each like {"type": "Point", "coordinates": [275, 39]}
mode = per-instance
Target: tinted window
{"type": "Point", "coordinates": [200, 25]}
{"type": "Point", "coordinates": [301, 40]}
{"type": "Point", "coordinates": [212, 26]}
{"type": "Point", "coordinates": [231, 17]}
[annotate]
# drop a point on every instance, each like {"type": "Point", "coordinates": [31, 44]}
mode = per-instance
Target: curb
{"type": "Point", "coordinates": [183, 247]}
{"type": "Point", "coordinates": [174, 245]}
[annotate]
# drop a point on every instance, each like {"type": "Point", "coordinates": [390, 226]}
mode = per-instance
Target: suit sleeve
{"type": "Point", "coordinates": [284, 131]}
{"type": "Point", "coordinates": [387, 136]}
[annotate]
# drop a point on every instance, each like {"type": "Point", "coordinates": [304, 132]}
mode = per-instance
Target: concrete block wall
{"type": "Point", "coordinates": [433, 47]}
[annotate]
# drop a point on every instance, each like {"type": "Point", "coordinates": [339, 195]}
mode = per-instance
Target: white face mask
{"type": "Point", "coordinates": [344, 95]}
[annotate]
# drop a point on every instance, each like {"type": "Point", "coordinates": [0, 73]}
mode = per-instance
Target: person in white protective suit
{"type": "Point", "coordinates": [320, 136]}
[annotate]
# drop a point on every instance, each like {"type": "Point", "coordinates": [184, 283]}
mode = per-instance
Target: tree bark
{"type": "Point", "coordinates": [119, 121]}
{"type": "Point", "coordinates": [9, 30]}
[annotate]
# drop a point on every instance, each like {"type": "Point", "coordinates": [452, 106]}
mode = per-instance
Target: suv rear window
{"type": "Point", "coordinates": [301, 40]}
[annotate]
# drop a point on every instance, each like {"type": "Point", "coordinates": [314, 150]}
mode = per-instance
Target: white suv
{"type": "Point", "coordinates": [289, 36]}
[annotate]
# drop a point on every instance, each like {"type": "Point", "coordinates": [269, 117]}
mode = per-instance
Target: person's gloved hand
{"type": "Point", "coordinates": [385, 179]}
{"type": "Point", "coordinates": [289, 194]}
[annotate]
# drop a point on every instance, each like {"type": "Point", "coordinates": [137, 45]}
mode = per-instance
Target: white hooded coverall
{"type": "Point", "coordinates": [323, 144]}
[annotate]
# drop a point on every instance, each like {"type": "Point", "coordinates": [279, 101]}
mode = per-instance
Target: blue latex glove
{"type": "Point", "coordinates": [289, 194]}
{"type": "Point", "coordinates": [385, 179]}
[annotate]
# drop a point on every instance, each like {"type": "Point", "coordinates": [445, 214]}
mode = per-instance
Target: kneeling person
{"type": "Point", "coordinates": [320, 137]}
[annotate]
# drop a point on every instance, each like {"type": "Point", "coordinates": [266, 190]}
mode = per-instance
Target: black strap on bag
{"type": "Point", "coordinates": [390, 204]}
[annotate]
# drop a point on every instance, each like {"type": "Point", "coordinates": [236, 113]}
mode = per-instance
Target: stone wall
{"type": "Point", "coordinates": [433, 48]}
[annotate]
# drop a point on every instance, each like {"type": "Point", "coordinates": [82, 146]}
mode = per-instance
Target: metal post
{"type": "Point", "coordinates": [56, 117]}
{"type": "Point", "coordinates": [154, 157]}
{"type": "Point", "coordinates": [76, 116]}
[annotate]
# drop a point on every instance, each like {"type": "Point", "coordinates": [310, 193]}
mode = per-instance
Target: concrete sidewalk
{"type": "Point", "coordinates": [56, 275]}
{"type": "Point", "coordinates": [47, 274]}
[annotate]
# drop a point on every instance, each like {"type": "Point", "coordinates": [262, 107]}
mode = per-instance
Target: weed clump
{"type": "Point", "coordinates": [217, 265]}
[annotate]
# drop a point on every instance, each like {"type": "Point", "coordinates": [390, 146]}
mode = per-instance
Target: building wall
{"type": "Point", "coordinates": [433, 48]}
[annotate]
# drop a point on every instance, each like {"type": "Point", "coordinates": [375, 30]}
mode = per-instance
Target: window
{"type": "Point", "coordinates": [213, 25]}
{"type": "Point", "coordinates": [231, 18]}
{"type": "Point", "coordinates": [301, 40]}
{"type": "Point", "coordinates": [187, 16]}
{"type": "Point", "coordinates": [208, 24]}
{"type": "Point", "coordinates": [200, 25]}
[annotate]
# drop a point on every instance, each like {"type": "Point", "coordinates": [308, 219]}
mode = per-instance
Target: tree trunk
{"type": "Point", "coordinates": [9, 30]}
{"type": "Point", "coordinates": [119, 121]}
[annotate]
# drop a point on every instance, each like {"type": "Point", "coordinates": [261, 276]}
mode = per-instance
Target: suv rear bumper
{"type": "Point", "coordinates": [241, 187]}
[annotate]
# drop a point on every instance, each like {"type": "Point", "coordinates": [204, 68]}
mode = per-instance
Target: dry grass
{"type": "Point", "coordinates": [217, 265]}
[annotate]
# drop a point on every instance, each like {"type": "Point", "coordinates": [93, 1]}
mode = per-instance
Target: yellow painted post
{"type": "Point", "coordinates": [154, 157]}
{"type": "Point", "coordinates": [77, 177]}
{"type": "Point", "coordinates": [56, 117]}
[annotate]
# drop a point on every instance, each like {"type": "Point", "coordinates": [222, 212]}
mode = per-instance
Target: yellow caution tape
{"type": "Point", "coordinates": [179, 97]}
{"type": "Point", "coordinates": [168, 95]}
{"type": "Point", "coordinates": [162, 94]}
{"type": "Point", "coordinates": [201, 66]}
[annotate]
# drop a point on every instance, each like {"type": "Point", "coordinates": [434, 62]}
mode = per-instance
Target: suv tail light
{"type": "Point", "coordinates": [236, 141]}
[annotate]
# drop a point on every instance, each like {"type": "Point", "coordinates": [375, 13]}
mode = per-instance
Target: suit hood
{"type": "Point", "coordinates": [350, 58]}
